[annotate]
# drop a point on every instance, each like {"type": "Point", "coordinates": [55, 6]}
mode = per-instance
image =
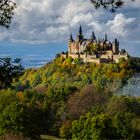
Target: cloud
{"type": "Point", "coordinates": [135, 4]}
{"type": "Point", "coordinates": [43, 21]}
{"type": "Point", "coordinates": [120, 24]}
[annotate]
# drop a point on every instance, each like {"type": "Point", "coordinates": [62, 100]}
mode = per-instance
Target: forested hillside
{"type": "Point", "coordinates": [69, 99]}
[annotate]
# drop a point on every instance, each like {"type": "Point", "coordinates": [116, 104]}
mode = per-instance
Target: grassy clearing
{"type": "Point", "coordinates": [48, 137]}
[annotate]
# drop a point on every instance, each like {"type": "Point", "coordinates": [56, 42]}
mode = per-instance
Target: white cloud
{"type": "Point", "coordinates": [135, 4]}
{"type": "Point", "coordinates": [42, 21]}
{"type": "Point", "coordinates": [119, 24]}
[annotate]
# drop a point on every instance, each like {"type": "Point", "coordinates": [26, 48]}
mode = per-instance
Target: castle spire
{"type": "Point", "coordinates": [80, 35]}
{"type": "Point", "coordinates": [116, 41]}
{"type": "Point", "coordinates": [80, 30]}
{"type": "Point", "coordinates": [106, 37]}
{"type": "Point", "coordinates": [93, 35]}
{"type": "Point", "coordinates": [71, 37]}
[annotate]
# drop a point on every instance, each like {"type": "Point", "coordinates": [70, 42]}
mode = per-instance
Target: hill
{"type": "Point", "coordinates": [72, 100]}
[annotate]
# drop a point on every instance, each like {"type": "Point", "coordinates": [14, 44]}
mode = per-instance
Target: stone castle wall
{"type": "Point", "coordinates": [90, 60]}
{"type": "Point", "coordinates": [117, 57]}
{"type": "Point", "coordinates": [94, 59]}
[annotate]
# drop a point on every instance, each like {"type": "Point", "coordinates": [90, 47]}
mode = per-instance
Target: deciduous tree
{"type": "Point", "coordinates": [6, 12]}
{"type": "Point", "coordinates": [111, 5]}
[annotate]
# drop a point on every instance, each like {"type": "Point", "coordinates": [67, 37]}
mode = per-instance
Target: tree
{"type": "Point", "coordinates": [6, 12]}
{"type": "Point", "coordinates": [12, 114]}
{"type": "Point", "coordinates": [123, 124]}
{"type": "Point", "coordinates": [93, 127]}
{"type": "Point", "coordinates": [111, 5]}
{"type": "Point", "coordinates": [103, 126]}
{"type": "Point", "coordinates": [9, 69]}
{"type": "Point", "coordinates": [65, 129]}
{"type": "Point", "coordinates": [88, 99]}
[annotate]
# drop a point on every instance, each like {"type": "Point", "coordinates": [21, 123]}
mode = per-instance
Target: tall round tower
{"type": "Point", "coordinates": [69, 43]}
{"type": "Point", "coordinates": [115, 46]}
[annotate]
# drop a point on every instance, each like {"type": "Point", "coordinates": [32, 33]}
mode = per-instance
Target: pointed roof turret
{"type": "Point", "coordinates": [116, 41]}
{"type": "Point", "coordinates": [106, 39]}
{"type": "Point", "coordinates": [71, 37]}
{"type": "Point", "coordinates": [93, 36]}
{"type": "Point", "coordinates": [80, 30]}
{"type": "Point", "coordinates": [80, 35]}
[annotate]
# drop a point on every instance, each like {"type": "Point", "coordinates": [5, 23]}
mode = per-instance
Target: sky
{"type": "Point", "coordinates": [38, 22]}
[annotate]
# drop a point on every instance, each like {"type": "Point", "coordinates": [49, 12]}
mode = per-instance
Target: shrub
{"type": "Point", "coordinates": [103, 126]}
{"type": "Point", "coordinates": [12, 113]}
{"type": "Point", "coordinates": [65, 130]}
{"type": "Point", "coordinates": [80, 103]}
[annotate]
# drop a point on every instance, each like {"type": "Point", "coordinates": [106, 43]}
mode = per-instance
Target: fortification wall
{"type": "Point", "coordinates": [117, 57]}
{"type": "Point", "coordinates": [89, 60]}
{"type": "Point", "coordinates": [74, 56]}
{"type": "Point", "coordinates": [94, 59]}
{"type": "Point", "coordinates": [63, 55]}
{"type": "Point", "coordinates": [109, 52]}
{"type": "Point", "coordinates": [105, 56]}
{"type": "Point", "coordinates": [91, 56]}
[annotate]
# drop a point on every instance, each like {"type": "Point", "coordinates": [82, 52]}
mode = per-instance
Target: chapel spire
{"type": "Point", "coordinates": [71, 37]}
{"type": "Point", "coordinates": [106, 38]}
{"type": "Point", "coordinates": [93, 35]}
{"type": "Point", "coordinates": [80, 30]}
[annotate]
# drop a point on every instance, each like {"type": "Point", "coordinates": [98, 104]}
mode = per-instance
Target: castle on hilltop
{"type": "Point", "coordinates": [94, 50]}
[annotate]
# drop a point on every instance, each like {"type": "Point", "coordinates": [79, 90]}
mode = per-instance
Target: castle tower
{"type": "Point", "coordinates": [106, 38]}
{"type": "Point", "coordinates": [93, 37]}
{"type": "Point", "coordinates": [80, 31]}
{"type": "Point", "coordinates": [115, 46]}
{"type": "Point", "coordinates": [71, 37]}
{"type": "Point", "coordinates": [80, 35]}
{"type": "Point", "coordinates": [70, 42]}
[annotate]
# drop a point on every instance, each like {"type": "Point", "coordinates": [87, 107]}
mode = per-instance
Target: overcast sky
{"type": "Point", "coordinates": [43, 21]}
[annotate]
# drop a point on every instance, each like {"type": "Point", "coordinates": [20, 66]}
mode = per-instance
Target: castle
{"type": "Point", "coordinates": [93, 50]}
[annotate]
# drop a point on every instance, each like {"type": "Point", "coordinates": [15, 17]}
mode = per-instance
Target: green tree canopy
{"type": "Point", "coordinates": [111, 5]}
{"type": "Point", "coordinates": [6, 12]}
{"type": "Point", "coordinates": [9, 69]}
